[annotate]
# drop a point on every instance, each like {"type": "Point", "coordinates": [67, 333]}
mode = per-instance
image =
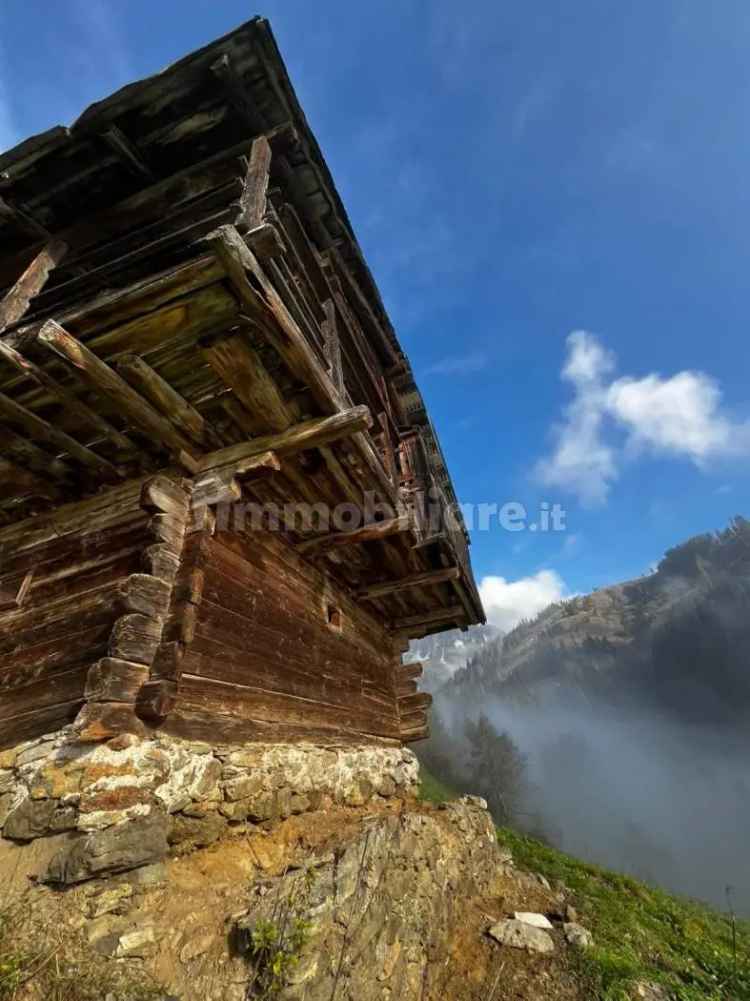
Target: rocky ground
{"type": "Point", "coordinates": [388, 900]}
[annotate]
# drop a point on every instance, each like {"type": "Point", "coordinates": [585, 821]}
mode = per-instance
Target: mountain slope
{"type": "Point", "coordinates": [677, 639]}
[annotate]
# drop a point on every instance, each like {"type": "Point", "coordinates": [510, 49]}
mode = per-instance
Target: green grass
{"type": "Point", "coordinates": [432, 790]}
{"type": "Point", "coordinates": [642, 933]}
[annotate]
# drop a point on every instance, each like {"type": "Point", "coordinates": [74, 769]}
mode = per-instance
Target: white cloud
{"type": "Point", "coordinates": [677, 416]}
{"type": "Point", "coordinates": [508, 602]}
{"type": "Point", "coordinates": [458, 365]}
{"type": "Point", "coordinates": [581, 462]}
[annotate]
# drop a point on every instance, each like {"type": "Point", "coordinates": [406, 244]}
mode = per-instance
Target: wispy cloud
{"type": "Point", "coordinates": [679, 416]}
{"type": "Point", "coordinates": [98, 30]}
{"type": "Point", "coordinates": [458, 364]}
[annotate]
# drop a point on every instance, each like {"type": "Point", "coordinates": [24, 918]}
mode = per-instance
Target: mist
{"type": "Point", "coordinates": [631, 789]}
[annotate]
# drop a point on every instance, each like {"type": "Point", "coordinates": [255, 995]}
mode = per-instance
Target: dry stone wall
{"type": "Point", "coordinates": [131, 801]}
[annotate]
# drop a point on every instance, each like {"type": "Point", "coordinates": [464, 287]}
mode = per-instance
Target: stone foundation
{"type": "Point", "coordinates": [128, 802]}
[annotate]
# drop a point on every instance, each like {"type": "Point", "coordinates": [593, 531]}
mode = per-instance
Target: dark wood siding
{"type": "Point", "coordinates": [278, 644]}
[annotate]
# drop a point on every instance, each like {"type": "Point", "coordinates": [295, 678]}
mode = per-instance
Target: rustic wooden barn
{"type": "Point", "coordinates": [187, 323]}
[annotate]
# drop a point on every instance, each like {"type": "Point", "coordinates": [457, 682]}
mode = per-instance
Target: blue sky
{"type": "Point", "coordinates": [554, 201]}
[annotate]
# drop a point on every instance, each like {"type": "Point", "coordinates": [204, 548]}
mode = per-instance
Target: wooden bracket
{"type": "Point", "coordinates": [14, 589]}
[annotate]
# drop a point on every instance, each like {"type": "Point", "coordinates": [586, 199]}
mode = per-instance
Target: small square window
{"type": "Point", "coordinates": [334, 617]}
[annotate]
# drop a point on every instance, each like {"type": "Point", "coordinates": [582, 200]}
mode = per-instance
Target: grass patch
{"type": "Point", "coordinates": [42, 959]}
{"type": "Point", "coordinates": [432, 790]}
{"type": "Point", "coordinates": [643, 933]}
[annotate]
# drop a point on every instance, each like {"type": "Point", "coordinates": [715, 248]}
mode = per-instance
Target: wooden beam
{"type": "Point", "coordinates": [221, 485]}
{"type": "Point", "coordinates": [411, 671]}
{"type": "Point", "coordinates": [117, 140]}
{"type": "Point", "coordinates": [19, 449]}
{"type": "Point", "coordinates": [38, 428]}
{"type": "Point", "coordinates": [65, 396]}
{"type": "Point", "coordinates": [415, 580]}
{"type": "Point", "coordinates": [17, 482]}
{"type": "Point", "coordinates": [333, 345]}
{"type": "Point", "coordinates": [240, 368]}
{"type": "Point", "coordinates": [368, 533]}
{"type": "Point", "coordinates": [167, 400]}
{"type": "Point", "coordinates": [453, 613]}
{"type": "Point", "coordinates": [285, 336]}
{"type": "Point", "coordinates": [307, 434]}
{"type": "Point", "coordinates": [237, 93]}
{"type": "Point", "coordinates": [338, 473]}
{"type": "Point", "coordinates": [416, 702]}
{"type": "Point", "coordinates": [23, 220]}
{"type": "Point", "coordinates": [16, 301]}
{"type": "Point", "coordinates": [107, 382]}
{"type": "Point", "coordinates": [253, 200]}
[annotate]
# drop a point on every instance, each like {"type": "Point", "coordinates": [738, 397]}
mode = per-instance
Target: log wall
{"type": "Point", "coordinates": [61, 591]}
{"type": "Point", "coordinates": [279, 651]}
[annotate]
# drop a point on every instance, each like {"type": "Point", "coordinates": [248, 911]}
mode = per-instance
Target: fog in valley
{"type": "Point", "coordinates": [637, 792]}
{"type": "Point", "coordinates": [627, 712]}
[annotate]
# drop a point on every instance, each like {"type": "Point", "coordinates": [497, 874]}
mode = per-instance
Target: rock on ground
{"type": "Point", "coordinates": [520, 935]}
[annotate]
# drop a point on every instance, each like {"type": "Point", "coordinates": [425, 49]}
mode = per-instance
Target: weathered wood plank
{"type": "Point", "coordinates": [409, 671]}
{"type": "Point", "coordinates": [167, 400]}
{"type": "Point", "coordinates": [286, 337]}
{"type": "Point", "coordinates": [41, 430]}
{"type": "Point", "coordinates": [372, 532]}
{"type": "Point", "coordinates": [104, 380]}
{"type": "Point", "coordinates": [197, 724]}
{"type": "Point", "coordinates": [116, 139]}
{"type": "Point", "coordinates": [418, 701]}
{"type": "Point", "coordinates": [240, 368]}
{"type": "Point", "coordinates": [92, 514]}
{"type": "Point", "coordinates": [260, 704]}
{"type": "Point", "coordinates": [162, 494]}
{"type": "Point", "coordinates": [426, 579]}
{"type": "Point", "coordinates": [305, 435]}
{"type": "Point", "coordinates": [16, 301]}
{"type": "Point", "coordinates": [453, 613]}
{"type": "Point", "coordinates": [135, 638]}
{"type": "Point", "coordinates": [253, 200]}
{"type": "Point", "coordinates": [68, 399]}
{"type": "Point", "coordinates": [32, 724]}
{"type": "Point", "coordinates": [111, 680]}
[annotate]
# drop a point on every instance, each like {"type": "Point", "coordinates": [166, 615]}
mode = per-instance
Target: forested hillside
{"type": "Point", "coordinates": [616, 724]}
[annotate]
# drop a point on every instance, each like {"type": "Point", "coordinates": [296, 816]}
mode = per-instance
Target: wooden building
{"type": "Point", "coordinates": [188, 329]}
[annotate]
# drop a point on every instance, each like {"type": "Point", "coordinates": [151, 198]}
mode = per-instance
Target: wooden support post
{"type": "Point", "coordinates": [65, 396]}
{"type": "Point", "coordinates": [253, 199]}
{"type": "Point", "coordinates": [333, 345]}
{"type": "Point", "coordinates": [307, 434]}
{"type": "Point", "coordinates": [166, 400]}
{"type": "Point", "coordinates": [427, 579]}
{"type": "Point", "coordinates": [106, 381]}
{"type": "Point", "coordinates": [38, 428]}
{"type": "Point", "coordinates": [368, 533]}
{"type": "Point", "coordinates": [16, 302]}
